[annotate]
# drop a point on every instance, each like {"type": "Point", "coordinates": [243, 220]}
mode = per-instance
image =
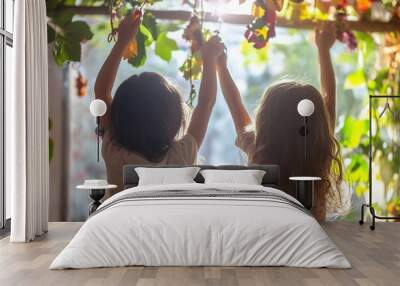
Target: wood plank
{"type": "Point", "coordinates": [375, 257]}
{"type": "Point", "coordinates": [240, 19]}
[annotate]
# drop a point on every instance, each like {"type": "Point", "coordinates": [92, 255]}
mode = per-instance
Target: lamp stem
{"type": "Point", "coordinates": [98, 137]}
{"type": "Point", "coordinates": [305, 139]}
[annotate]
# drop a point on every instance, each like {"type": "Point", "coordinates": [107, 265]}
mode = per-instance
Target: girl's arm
{"type": "Point", "coordinates": [105, 79]}
{"type": "Point", "coordinates": [325, 37]}
{"type": "Point", "coordinates": [208, 90]}
{"type": "Point", "coordinates": [231, 93]}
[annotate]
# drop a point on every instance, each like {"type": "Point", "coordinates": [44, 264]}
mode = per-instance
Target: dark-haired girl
{"type": "Point", "coordinates": [146, 114]}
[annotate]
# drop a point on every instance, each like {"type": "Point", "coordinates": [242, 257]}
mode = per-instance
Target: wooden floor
{"type": "Point", "coordinates": [375, 257]}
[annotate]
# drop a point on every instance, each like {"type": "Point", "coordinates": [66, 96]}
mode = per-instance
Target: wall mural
{"type": "Point", "coordinates": [367, 62]}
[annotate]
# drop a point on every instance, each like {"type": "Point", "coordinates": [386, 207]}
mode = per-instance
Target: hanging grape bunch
{"type": "Point", "coordinates": [191, 68]}
{"type": "Point", "coordinates": [396, 12]}
{"type": "Point", "coordinates": [135, 52]}
{"type": "Point", "coordinates": [343, 34]}
{"type": "Point", "coordinates": [132, 50]}
{"type": "Point", "coordinates": [263, 26]}
{"type": "Point", "coordinates": [193, 33]}
{"type": "Point", "coordinates": [392, 57]}
{"type": "Point", "coordinates": [81, 84]}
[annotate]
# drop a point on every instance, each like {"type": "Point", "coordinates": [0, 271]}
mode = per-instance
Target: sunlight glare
{"type": "Point", "coordinates": [221, 7]}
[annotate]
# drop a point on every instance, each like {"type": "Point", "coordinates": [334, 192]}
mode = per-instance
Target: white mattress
{"type": "Point", "coordinates": [194, 231]}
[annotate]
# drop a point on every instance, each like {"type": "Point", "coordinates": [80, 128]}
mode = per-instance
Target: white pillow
{"type": "Point", "coordinates": [165, 176]}
{"type": "Point", "coordinates": [247, 177]}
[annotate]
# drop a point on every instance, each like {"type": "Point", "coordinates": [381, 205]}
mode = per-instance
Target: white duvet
{"type": "Point", "coordinates": [200, 231]}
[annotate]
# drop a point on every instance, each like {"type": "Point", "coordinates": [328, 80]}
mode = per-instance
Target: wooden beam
{"type": "Point", "coordinates": [241, 19]}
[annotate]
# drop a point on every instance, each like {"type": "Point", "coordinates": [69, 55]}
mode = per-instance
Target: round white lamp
{"type": "Point", "coordinates": [98, 108]}
{"type": "Point", "coordinates": [305, 108]}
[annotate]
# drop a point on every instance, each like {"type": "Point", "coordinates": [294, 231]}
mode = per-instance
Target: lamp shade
{"type": "Point", "coordinates": [305, 108]}
{"type": "Point", "coordinates": [98, 108]}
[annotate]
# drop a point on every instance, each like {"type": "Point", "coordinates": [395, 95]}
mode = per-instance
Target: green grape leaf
{"type": "Point", "coordinates": [65, 50]}
{"type": "Point", "coordinates": [68, 2]}
{"type": "Point", "coordinates": [365, 43]}
{"type": "Point", "coordinates": [353, 130]}
{"type": "Point", "coordinates": [67, 47]}
{"type": "Point", "coordinates": [135, 3]}
{"type": "Point", "coordinates": [355, 79]}
{"type": "Point", "coordinates": [149, 21]}
{"type": "Point", "coordinates": [169, 27]}
{"type": "Point", "coordinates": [378, 83]}
{"type": "Point", "coordinates": [357, 172]}
{"type": "Point", "coordinates": [148, 38]}
{"type": "Point", "coordinates": [78, 31]}
{"type": "Point", "coordinates": [51, 35]}
{"type": "Point", "coordinates": [62, 17]}
{"type": "Point", "coordinates": [253, 56]}
{"type": "Point", "coordinates": [91, 2]}
{"type": "Point", "coordinates": [141, 57]}
{"type": "Point", "coordinates": [151, 2]}
{"type": "Point", "coordinates": [52, 4]}
{"type": "Point", "coordinates": [165, 46]}
{"type": "Point", "coordinates": [193, 62]}
{"type": "Point", "coordinates": [360, 190]}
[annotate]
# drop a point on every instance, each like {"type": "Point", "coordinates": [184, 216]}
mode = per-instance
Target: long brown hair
{"type": "Point", "coordinates": [279, 139]}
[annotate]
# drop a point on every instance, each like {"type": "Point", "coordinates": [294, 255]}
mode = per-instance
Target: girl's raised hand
{"type": "Point", "coordinates": [222, 59]}
{"type": "Point", "coordinates": [129, 27]}
{"type": "Point", "coordinates": [325, 35]}
{"type": "Point", "coordinates": [212, 49]}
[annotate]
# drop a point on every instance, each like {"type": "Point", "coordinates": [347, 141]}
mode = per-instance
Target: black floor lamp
{"type": "Point", "coordinates": [305, 185]}
{"type": "Point", "coordinates": [369, 205]}
{"type": "Point", "coordinates": [98, 108]}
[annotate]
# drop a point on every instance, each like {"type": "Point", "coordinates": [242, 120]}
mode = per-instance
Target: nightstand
{"type": "Point", "coordinates": [305, 190]}
{"type": "Point", "coordinates": [97, 190]}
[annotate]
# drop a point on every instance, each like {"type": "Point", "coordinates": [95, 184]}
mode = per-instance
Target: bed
{"type": "Point", "coordinates": [198, 224]}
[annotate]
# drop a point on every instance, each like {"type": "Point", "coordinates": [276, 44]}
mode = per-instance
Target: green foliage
{"type": "Point", "coordinates": [380, 83]}
{"type": "Point", "coordinates": [64, 50]}
{"type": "Point", "coordinates": [358, 74]}
{"type": "Point", "coordinates": [148, 37]}
{"type": "Point", "coordinates": [142, 36]}
{"type": "Point", "coordinates": [78, 31]}
{"type": "Point", "coordinates": [191, 68]}
{"type": "Point", "coordinates": [66, 35]}
{"type": "Point", "coordinates": [357, 172]}
{"type": "Point", "coordinates": [253, 56]}
{"type": "Point", "coordinates": [353, 131]}
{"type": "Point", "coordinates": [367, 47]}
{"type": "Point", "coordinates": [354, 143]}
{"type": "Point", "coordinates": [165, 46]}
{"type": "Point", "coordinates": [67, 46]}
{"type": "Point", "coordinates": [151, 24]}
{"type": "Point", "coordinates": [355, 79]}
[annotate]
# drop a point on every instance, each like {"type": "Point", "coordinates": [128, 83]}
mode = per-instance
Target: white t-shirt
{"type": "Point", "coordinates": [181, 152]}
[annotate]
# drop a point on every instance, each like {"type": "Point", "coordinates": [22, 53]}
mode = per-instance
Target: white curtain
{"type": "Point", "coordinates": [27, 160]}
